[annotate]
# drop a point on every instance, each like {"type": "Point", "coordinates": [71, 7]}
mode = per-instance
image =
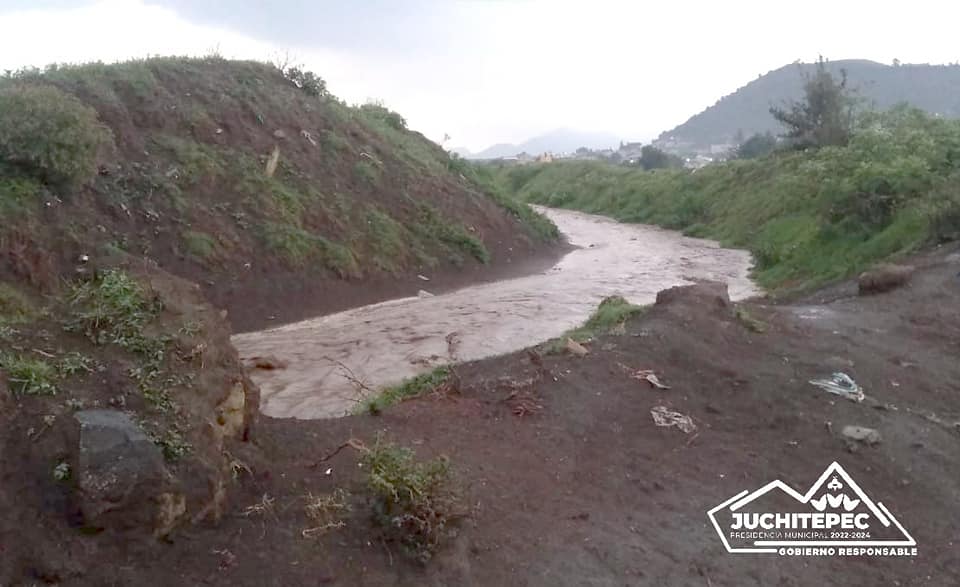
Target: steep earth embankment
{"type": "Point", "coordinates": [277, 198]}
{"type": "Point", "coordinates": [147, 208]}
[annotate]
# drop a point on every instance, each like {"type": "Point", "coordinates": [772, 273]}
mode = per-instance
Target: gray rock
{"type": "Point", "coordinates": [861, 434]}
{"type": "Point", "coordinates": [120, 472]}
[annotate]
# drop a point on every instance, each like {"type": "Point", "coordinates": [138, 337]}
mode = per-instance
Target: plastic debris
{"type": "Point", "coordinates": [423, 278]}
{"type": "Point", "coordinates": [424, 294]}
{"type": "Point", "coordinates": [666, 417]}
{"type": "Point", "coordinates": [840, 384]}
{"type": "Point", "coordinates": [650, 377]}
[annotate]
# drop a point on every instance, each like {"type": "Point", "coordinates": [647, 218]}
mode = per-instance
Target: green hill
{"type": "Point", "coordinates": [808, 217]}
{"type": "Point", "coordinates": [166, 159]}
{"type": "Point", "coordinates": [146, 207]}
{"type": "Point", "coordinates": [932, 88]}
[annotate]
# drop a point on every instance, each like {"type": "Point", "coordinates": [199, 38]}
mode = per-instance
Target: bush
{"type": "Point", "coordinates": [50, 134]}
{"type": "Point", "coordinates": [377, 111]}
{"type": "Point", "coordinates": [310, 83]}
{"type": "Point", "coordinates": [414, 502]}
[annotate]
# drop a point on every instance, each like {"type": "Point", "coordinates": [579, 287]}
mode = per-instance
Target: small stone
{"type": "Point", "coordinates": [576, 348]}
{"type": "Point", "coordinates": [861, 434]}
{"type": "Point", "coordinates": [279, 134]}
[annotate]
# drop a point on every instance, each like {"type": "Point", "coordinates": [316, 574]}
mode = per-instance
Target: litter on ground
{"type": "Point", "coordinates": [840, 384]}
{"type": "Point", "coordinates": [665, 417]}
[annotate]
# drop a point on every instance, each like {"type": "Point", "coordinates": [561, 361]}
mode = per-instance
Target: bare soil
{"type": "Point", "coordinates": [583, 488]}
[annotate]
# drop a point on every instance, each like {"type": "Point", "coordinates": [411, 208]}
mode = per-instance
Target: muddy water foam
{"type": "Point", "coordinates": [384, 343]}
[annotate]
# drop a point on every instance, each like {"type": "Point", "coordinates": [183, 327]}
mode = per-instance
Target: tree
{"type": "Point", "coordinates": [824, 116]}
{"type": "Point", "coordinates": [757, 145]}
{"type": "Point", "coordinates": [654, 158]}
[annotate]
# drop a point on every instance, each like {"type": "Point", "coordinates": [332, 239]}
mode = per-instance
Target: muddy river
{"type": "Point", "coordinates": [384, 343]}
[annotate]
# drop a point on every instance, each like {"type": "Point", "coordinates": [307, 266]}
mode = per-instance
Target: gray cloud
{"type": "Point", "coordinates": [372, 27]}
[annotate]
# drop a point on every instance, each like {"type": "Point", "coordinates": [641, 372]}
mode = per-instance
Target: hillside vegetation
{"type": "Point", "coordinates": [932, 88]}
{"type": "Point", "coordinates": [250, 180]}
{"type": "Point", "coordinates": [807, 216]}
{"type": "Point", "coordinates": [145, 203]}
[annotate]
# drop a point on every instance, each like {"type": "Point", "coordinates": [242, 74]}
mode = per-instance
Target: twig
{"type": "Point", "coordinates": [385, 547]}
{"type": "Point", "coordinates": [352, 443]}
{"type": "Point", "coordinates": [350, 376]}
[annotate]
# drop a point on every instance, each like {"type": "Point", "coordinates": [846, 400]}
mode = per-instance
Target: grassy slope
{"type": "Point", "coordinates": [182, 179]}
{"type": "Point", "coordinates": [807, 217]}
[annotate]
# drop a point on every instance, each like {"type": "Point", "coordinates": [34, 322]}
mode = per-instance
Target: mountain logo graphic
{"type": "Point", "coordinates": [835, 516]}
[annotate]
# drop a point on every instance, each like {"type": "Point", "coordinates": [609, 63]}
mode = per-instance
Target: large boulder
{"type": "Point", "coordinates": [701, 297]}
{"type": "Point", "coordinates": [121, 478]}
{"type": "Point", "coordinates": [884, 278]}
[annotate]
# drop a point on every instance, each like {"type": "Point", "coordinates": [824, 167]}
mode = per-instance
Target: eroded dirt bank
{"type": "Point", "coordinates": [384, 343]}
{"type": "Point", "coordinates": [585, 489]}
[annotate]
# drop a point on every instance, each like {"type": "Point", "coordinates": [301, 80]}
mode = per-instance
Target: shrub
{"type": "Point", "coordinates": [415, 503]}
{"type": "Point", "coordinates": [310, 83]}
{"type": "Point", "coordinates": [50, 134]}
{"type": "Point", "coordinates": [377, 111]}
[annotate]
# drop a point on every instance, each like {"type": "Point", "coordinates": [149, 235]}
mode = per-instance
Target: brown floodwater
{"type": "Point", "coordinates": [384, 343]}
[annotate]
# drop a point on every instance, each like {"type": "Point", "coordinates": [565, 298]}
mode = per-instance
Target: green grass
{"type": "Point", "coordinates": [112, 309]}
{"type": "Point", "coordinates": [408, 388]}
{"type": "Point", "coordinates": [15, 307]}
{"type": "Point", "coordinates": [200, 245]}
{"type": "Point", "coordinates": [366, 172]}
{"type": "Point", "coordinates": [612, 312]}
{"type": "Point", "coordinates": [19, 194]}
{"type": "Point", "coordinates": [29, 376]}
{"type": "Point", "coordinates": [432, 225]}
{"type": "Point", "coordinates": [301, 248]}
{"type": "Point", "coordinates": [808, 217]}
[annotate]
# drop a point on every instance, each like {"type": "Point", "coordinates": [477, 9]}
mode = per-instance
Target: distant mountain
{"type": "Point", "coordinates": [557, 141]}
{"type": "Point", "coordinates": [934, 88]}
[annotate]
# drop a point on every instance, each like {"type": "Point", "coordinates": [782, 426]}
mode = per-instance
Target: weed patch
{"type": "Point", "coordinates": [612, 313]}
{"type": "Point", "coordinates": [409, 388]}
{"type": "Point", "coordinates": [415, 503]}
{"type": "Point", "coordinates": [29, 376]}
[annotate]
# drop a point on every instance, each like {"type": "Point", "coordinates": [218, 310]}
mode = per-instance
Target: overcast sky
{"type": "Point", "coordinates": [498, 70]}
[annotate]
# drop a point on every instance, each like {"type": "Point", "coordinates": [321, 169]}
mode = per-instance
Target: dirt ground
{"type": "Point", "coordinates": [585, 489]}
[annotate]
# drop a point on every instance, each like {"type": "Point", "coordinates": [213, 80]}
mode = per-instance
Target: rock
{"type": "Point", "coordinates": [861, 434]}
{"type": "Point", "coordinates": [268, 363]}
{"type": "Point", "coordinates": [279, 134]}
{"type": "Point", "coordinates": [701, 296]}
{"type": "Point", "coordinates": [575, 347]}
{"type": "Point", "coordinates": [272, 161]}
{"type": "Point", "coordinates": [121, 477]}
{"type": "Point", "coordinates": [884, 278]}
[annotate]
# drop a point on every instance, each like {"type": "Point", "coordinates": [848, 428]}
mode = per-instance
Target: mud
{"type": "Point", "coordinates": [333, 360]}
